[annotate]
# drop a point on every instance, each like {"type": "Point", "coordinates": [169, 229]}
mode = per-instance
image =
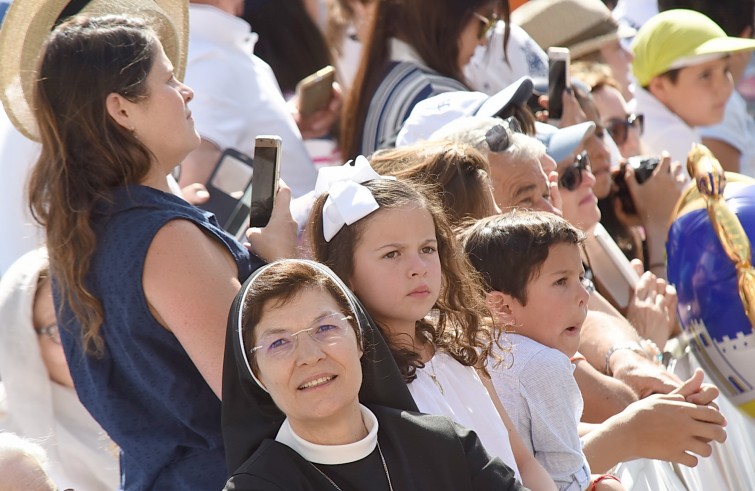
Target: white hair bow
{"type": "Point", "coordinates": [348, 201]}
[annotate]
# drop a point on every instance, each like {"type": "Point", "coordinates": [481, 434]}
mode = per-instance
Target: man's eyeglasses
{"type": "Point", "coordinates": [619, 128]}
{"type": "Point", "coordinates": [571, 178]}
{"type": "Point", "coordinates": [50, 331]}
{"type": "Point", "coordinates": [326, 331]}
{"type": "Point", "coordinates": [498, 138]}
{"type": "Point", "coordinates": [486, 24]}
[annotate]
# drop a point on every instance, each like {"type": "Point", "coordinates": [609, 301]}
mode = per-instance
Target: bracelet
{"type": "Point", "coordinates": [603, 477]}
{"type": "Point", "coordinates": [616, 347]}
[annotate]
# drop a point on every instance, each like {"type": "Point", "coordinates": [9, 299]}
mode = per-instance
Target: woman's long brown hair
{"type": "Point", "coordinates": [85, 153]}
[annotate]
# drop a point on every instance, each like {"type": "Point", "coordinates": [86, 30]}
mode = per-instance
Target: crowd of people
{"type": "Point", "coordinates": [431, 305]}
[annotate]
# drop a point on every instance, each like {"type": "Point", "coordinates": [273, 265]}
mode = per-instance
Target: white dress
{"type": "Point", "coordinates": [463, 399]}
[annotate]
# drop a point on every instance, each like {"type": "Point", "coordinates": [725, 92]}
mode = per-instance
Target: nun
{"type": "Point", "coordinates": [301, 338]}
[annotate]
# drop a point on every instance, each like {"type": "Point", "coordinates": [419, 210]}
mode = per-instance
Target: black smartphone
{"type": "Point", "coordinates": [265, 174]}
{"type": "Point", "coordinates": [558, 80]}
{"type": "Point", "coordinates": [229, 179]}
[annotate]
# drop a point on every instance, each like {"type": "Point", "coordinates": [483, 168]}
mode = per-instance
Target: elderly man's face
{"type": "Point", "coordinates": [520, 184]}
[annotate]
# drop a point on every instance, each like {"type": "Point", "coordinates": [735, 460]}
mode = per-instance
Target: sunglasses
{"type": "Point", "coordinates": [486, 24]}
{"type": "Point", "coordinates": [619, 128]}
{"type": "Point", "coordinates": [571, 178]}
{"type": "Point", "coordinates": [498, 138]}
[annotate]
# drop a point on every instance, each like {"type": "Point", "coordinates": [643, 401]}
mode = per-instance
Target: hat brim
{"type": "Point", "coordinates": [28, 23]}
{"type": "Point", "coordinates": [564, 141]}
{"type": "Point", "coordinates": [515, 94]}
{"type": "Point", "coordinates": [585, 47]}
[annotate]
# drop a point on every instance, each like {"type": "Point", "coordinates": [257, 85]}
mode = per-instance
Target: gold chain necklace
{"type": "Point", "coordinates": [385, 468]}
{"type": "Point", "coordinates": [434, 377]}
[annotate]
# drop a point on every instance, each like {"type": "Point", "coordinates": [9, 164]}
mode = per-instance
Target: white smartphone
{"type": "Point", "coordinates": [265, 175]}
{"type": "Point", "coordinates": [558, 80]}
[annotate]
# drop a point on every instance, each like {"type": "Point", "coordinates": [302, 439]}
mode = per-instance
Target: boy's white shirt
{"type": "Point", "coordinates": [664, 130]}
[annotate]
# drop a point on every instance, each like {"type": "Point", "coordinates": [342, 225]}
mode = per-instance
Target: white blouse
{"type": "Point", "coordinates": [465, 400]}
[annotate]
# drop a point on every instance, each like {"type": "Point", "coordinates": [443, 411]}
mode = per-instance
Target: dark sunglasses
{"type": "Point", "coordinates": [498, 138]}
{"type": "Point", "coordinates": [619, 128]}
{"type": "Point", "coordinates": [571, 178]}
{"type": "Point", "coordinates": [486, 24]}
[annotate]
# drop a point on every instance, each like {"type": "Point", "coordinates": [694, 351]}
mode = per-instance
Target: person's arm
{"type": "Point", "coordinates": [197, 167]}
{"type": "Point", "coordinates": [652, 308]}
{"type": "Point", "coordinates": [534, 476]}
{"type": "Point", "coordinates": [190, 281]}
{"type": "Point", "coordinates": [663, 427]}
{"type": "Point", "coordinates": [727, 155]}
{"type": "Point", "coordinates": [603, 396]}
{"type": "Point", "coordinates": [604, 329]}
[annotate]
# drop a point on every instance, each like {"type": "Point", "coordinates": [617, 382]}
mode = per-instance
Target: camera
{"type": "Point", "coordinates": [643, 169]}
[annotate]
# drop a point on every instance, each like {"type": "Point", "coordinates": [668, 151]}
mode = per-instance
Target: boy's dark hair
{"type": "Point", "coordinates": [732, 17]}
{"type": "Point", "coordinates": [508, 250]}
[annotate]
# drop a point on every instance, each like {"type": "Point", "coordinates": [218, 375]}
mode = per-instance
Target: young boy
{"type": "Point", "coordinates": [532, 270]}
{"type": "Point", "coordinates": [681, 63]}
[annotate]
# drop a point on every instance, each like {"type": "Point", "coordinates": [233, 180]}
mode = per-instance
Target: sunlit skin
{"type": "Point", "coordinates": [556, 304]}
{"type": "Point", "coordinates": [620, 61]}
{"type": "Point", "coordinates": [580, 207]}
{"type": "Point", "coordinates": [611, 105]}
{"type": "Point", "coordinates": [521, 184]}
{"type": "Point", "coordinates": [316, 413]}
{"type": "Point", "coordinates": [162, 121]}
{"type": "Point", "coordinates": [700, 93]}
{"type": "Point", "coordinates": [469, 38]}
{"type": "Point", "coordinates": [397, 273]}
{"type": "Point", "coordinates": [600, 156]}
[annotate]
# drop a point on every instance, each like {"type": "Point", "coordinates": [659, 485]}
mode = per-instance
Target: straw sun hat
{"type": "Point", "coordinates": [28, 23]}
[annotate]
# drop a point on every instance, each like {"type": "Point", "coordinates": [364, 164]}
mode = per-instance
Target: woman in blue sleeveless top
{"type": "Point", "coordinates": [143, 280]}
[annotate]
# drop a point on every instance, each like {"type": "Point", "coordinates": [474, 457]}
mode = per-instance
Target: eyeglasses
{"type": "Point", "coordinates": [498, 138]}
{"type": "Point", "coordinates": [571, 179]}
{"type": "Point", "coordinates": [486, 24]}
{"type": "Point", "coordinates": [619, 128]}
{"type": "Point", "coordinates": [50, 331]}
{"type": "Point", "coordinates": [326, 331]}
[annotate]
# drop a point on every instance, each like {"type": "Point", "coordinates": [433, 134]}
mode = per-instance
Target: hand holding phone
{"type": "Point", "coordinates": [558, 80]}
{"type": "Point", "coordinates": [265, 175]}
{"type": "Point", "coordinates": [314, 91]}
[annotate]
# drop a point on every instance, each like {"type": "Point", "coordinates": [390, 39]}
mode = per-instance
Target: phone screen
{"type": "Point", "coordinates": [556, 85]}
{"type": "Point", "coordinates": [264, 180]}
{"type": "Point", "coordinates": [231, 176]}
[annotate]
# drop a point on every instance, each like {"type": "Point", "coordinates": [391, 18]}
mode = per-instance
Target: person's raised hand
{"type": "Point", "coordinates": [319, 123]}
{"type": "Point", "coordinates": [277, 240]}
{"type": "Point", "coordinates": [652, 308]}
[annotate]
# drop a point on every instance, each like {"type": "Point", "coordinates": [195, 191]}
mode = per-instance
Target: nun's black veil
{"type": "Point", "coordinates": [250, 415]}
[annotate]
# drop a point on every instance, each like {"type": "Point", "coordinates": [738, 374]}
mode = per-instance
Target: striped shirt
{"type": "Point", "coordinates": [405, 84]}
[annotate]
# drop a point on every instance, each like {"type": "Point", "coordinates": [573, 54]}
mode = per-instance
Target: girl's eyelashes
{"type": "Point", "coordinates": [428, 250]}
{"type": "Point", "coordinates": [391, 255]}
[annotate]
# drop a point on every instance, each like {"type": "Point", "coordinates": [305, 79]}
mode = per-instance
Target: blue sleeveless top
{"type": "Point", "coordinates": [145, 391]}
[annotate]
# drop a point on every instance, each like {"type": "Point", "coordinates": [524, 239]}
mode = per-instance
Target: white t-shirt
{"type": "Point", "coordinates": [738, 130]}
{"type": "Point", "coordinates": [488, 70]}
{"type": "Point", "coordinates": [664, 130]}
{"type": "Point", "coordinates": [465, 400]}
{"type": "Point", "coordinates": [236, 95]}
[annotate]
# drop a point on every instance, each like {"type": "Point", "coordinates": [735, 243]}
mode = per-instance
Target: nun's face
{"type": "Point", "coordinates": [316, 378]}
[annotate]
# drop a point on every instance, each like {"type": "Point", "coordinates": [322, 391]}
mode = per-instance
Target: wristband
{"type": "Point", "coordinates": [616, 347]}
{"type": "Point", "coordinates": [603, 477]}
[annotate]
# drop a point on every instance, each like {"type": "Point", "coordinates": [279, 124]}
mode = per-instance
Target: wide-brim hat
{"type": "Point", "coordinates": [583, 26]}
{"type": "Point", "coordinates": [435, 112]}
{"type": "Point", "coordinates": [679, 38]}
{"type": "Point", "coordinates": [28, 23]}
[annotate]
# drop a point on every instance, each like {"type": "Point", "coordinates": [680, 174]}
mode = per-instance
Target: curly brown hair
{"type": "Point", "coordinates": [460, 329]}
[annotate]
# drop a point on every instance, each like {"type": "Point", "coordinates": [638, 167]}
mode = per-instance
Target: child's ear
{"type": "Point", "coordinates": [658, 87]}
{"type": "Point", "coordinates": [499, 305]}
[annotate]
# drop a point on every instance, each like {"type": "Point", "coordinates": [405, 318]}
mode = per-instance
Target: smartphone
{"type": "Point", "coordinates": [229, 179]}
{"type": "Point", "coordinates": [265, 174]}
{"type": "Point", "coordinates": [558, 80]}
{"type": "Point", "coordinates": [314, 91]}
{"type": "Point", "coordinates": [617, 257]}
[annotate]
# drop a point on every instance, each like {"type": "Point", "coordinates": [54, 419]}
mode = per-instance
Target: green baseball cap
{"type": "Point", "coordinates": [679, 38]}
